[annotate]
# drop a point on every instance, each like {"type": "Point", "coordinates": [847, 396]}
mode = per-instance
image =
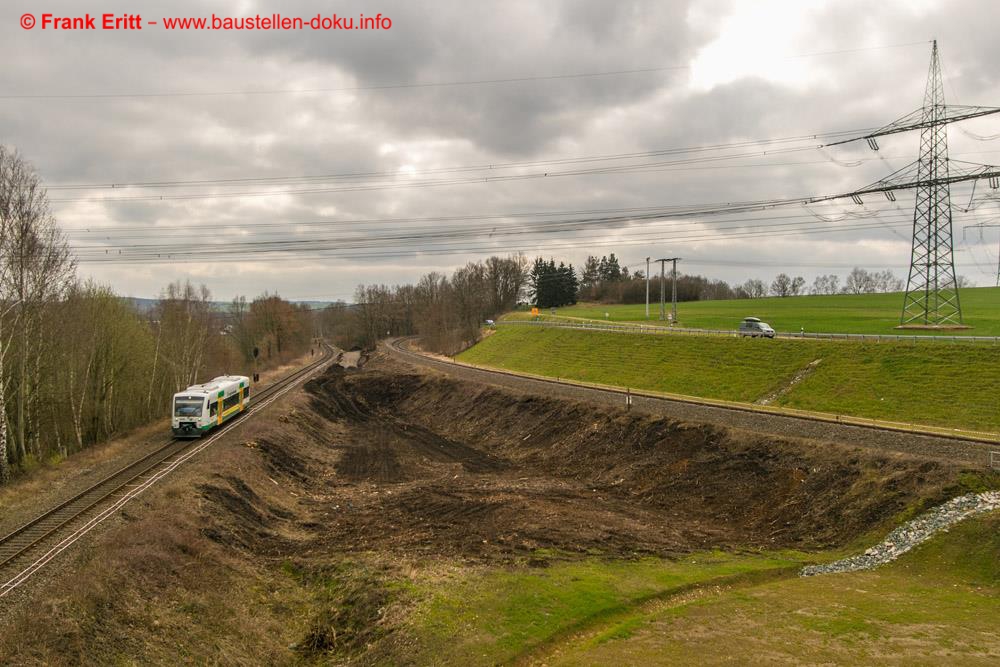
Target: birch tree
{"type": "Point", "coordinates": [35, 267]}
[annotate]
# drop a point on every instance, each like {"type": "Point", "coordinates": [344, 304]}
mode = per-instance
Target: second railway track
{"type": "Point", "coordinates": [32, 545]}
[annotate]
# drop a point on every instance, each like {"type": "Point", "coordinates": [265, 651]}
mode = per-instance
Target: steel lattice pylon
{"type": "Point", "coordinates": [931, 288]}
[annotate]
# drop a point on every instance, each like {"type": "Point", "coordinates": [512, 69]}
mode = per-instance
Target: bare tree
{"type": "Point", "coordinates": [782, 285]}
{"type": "Point", "coordinates": [798, 286]}
{"type": "Point", "coordinates": [826, 284]}
{"type": "Point", "coordinates": [35, 268]}
{"type": "Point", "coordinates": [859, 281]}
{"type": "Point", "coordinates": [506, 277]}
{"type": "Point", "coordinates": [185, 321]}
{"type": "Point", "coordinates": [754, 288]}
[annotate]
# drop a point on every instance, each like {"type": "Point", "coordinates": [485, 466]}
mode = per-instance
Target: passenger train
{"type": "Point", "coordinates": [201, 407]}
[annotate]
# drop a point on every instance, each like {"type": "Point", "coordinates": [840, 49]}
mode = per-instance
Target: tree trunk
{"type": "Point", "coordinates": [4, 464]}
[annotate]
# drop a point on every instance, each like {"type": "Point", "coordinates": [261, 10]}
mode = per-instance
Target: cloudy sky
{"type": "Point", "coordinates": [307, 162]}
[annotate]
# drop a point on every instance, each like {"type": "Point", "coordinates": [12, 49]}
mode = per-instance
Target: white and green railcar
{"type": "Point", "coordinates": [201, 407]}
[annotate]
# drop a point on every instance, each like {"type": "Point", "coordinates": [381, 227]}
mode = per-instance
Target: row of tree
{"type": "Point", "coordinates": [605, 280]}
{"type": "Point", "coordinates": [446, 311]}
{"type": "Point", "coordinates": [859, 281]}
{"type": "Point", "coordinates": [79, 364]}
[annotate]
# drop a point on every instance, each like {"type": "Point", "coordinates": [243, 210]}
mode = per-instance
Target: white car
{"type": "Point", "coordinates": [753, 327]}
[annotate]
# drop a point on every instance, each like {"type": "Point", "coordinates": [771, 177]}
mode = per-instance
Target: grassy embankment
{"type": "Point", "coordinates": [937, 603]}
{"type": "Point", "coordinates": [956, 386]}
{"type": "Point", "coordinates": [841, 313]}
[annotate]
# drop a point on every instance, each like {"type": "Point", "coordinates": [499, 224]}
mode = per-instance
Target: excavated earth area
{"type": "Point", "coordinates": [369, 474]}
{"type": "Point", "coordinates": [429, 464]}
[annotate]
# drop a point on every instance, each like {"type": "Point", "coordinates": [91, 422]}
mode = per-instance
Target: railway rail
{"type": "Point", "coordinates": [34, 544]}
{"type": "Point", "coordinates": [955, 446]}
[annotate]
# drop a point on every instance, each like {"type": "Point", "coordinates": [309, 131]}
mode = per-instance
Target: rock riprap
{"type": "Point", "coordinates": [912, 533]}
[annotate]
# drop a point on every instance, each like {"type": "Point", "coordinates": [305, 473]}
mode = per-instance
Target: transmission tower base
{"type": "Point", "coordinates": [935, 327]}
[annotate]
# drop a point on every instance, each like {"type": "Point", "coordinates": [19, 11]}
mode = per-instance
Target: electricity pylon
{"type": "Point", "coordinates": [931, 288]}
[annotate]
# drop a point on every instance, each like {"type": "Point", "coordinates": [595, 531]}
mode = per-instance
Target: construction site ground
{"type": "Point", "coordinates": [391, 514]}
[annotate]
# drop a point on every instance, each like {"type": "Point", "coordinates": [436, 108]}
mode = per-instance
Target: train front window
{"type": "Point", "coordinates": [188, 407]}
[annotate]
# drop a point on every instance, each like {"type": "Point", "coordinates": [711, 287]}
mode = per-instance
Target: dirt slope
{"type": "Point", "coordinates": [479, 470]}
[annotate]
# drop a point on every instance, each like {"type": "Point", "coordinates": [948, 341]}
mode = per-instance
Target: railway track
{"type": "Point", "coordinates": [34, 544]}
{"type": "Point", "coordinates": [953, 447]}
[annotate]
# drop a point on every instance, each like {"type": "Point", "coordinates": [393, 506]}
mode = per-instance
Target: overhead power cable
{"type": "Point", "coordinates": [413, 85]}
{"type": "Point", "coordinates": [167, 258]}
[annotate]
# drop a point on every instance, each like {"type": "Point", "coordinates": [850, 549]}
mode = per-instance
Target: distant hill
{"type": "Point", "coordinates": [144, 305]}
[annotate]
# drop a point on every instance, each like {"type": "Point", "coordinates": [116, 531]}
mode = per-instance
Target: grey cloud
{"type": "Point", "coordinates": [144, 139]}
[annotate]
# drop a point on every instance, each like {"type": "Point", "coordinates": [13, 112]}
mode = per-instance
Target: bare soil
{"type": "Point", "coordinates": [436, 465]}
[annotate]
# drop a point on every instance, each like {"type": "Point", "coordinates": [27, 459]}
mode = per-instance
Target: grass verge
{"type": "Point", "coordinates": [496, 615]}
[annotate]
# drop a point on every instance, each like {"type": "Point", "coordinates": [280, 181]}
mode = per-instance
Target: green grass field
{"type": "Point", "coordinates": [498, 615]}
{"type": "Point", "coordinates": [955, 386]}
{"type": "Point", "coordinates": [841, 313]}
{"type": "Point", "coordinates": [936, 605]}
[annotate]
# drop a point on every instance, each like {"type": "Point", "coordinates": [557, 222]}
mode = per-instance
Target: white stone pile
{"type": "Point", "coordinates": [912, 533]}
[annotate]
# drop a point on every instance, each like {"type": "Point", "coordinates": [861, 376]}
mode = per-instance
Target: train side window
{"type": "Point", "coordinates": [213, 407]}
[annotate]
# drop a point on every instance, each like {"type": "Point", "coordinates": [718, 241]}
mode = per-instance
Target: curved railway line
{"type": "Point", "coordinates": [34, 544]}
{"type": "Point", "coordinates": [959, 448]}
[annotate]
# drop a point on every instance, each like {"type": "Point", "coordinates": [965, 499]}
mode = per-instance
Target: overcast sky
{"type": "Point", "coordinates": [716, 72]}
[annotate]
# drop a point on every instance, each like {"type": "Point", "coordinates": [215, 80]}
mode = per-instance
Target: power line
{"type": "Point", "coordinates": [247, 256]}
{"type": "Point", "coordinates": [643, 168]}
{"type": "Point", "coordinates": [408, 86]}
{"type": "Point", "coordinates": [661, 152]}
{"type": "Point", "coordinates": [485, 224]}
{"type": "Point", "coordinates": [433, 239]}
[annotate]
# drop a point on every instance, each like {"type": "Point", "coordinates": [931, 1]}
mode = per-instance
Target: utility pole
{"type": "Point", "coordinates": [673, 280]}
{"type": "Point", "coordinates": [663, 287]}
{"type": "Point", "coordinates": [647, 288]}
{"type": "Point", "coordinates": [663, 263]}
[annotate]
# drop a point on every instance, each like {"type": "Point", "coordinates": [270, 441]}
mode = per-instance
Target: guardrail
{"type": "Point", "coordinates": [652, 329]}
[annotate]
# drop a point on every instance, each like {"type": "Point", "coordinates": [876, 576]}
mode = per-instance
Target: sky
{"type": "Point", "coordinates": [306, 162]}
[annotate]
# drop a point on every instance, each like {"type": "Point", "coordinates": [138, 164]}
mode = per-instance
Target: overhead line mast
{"type": "Point", "coordinates": [932, 288]}
{"type": "Point", "coordinates": [931, 299]}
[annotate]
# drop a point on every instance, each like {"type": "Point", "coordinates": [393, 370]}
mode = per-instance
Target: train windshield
{"type": "Point", "coordinates": [188, 407]}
